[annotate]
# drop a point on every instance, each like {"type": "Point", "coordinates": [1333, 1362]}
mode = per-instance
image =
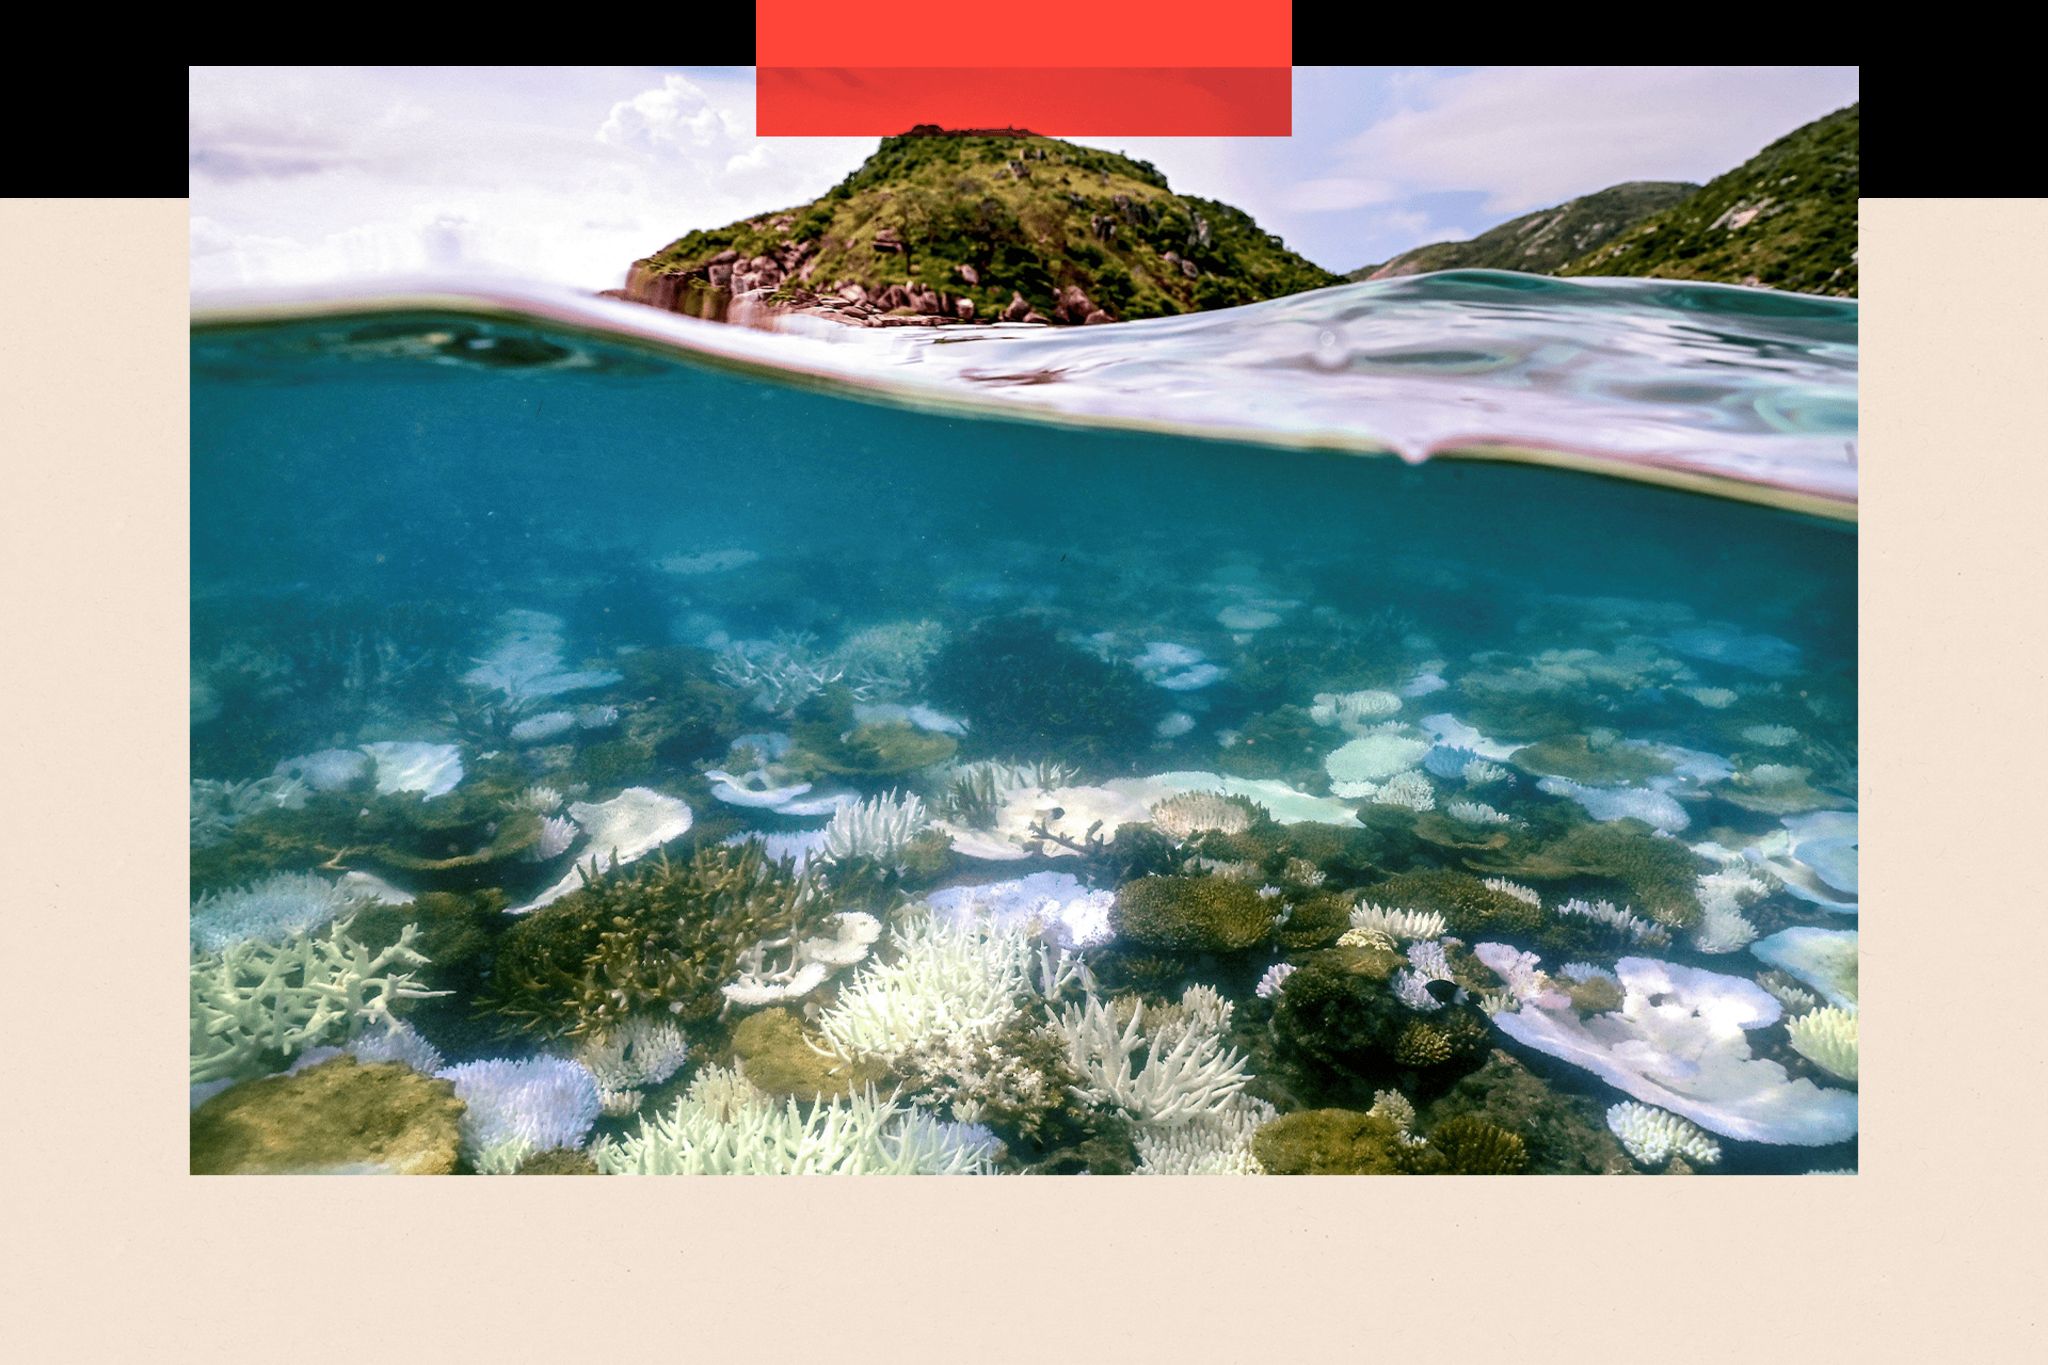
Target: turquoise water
{"type": "Point", "coordinates": [1052, 797]}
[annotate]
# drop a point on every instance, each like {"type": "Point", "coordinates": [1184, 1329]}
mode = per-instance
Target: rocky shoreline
{"type": "Point", "coordinates": [749, 291]}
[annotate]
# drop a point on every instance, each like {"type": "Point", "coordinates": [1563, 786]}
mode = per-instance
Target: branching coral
{"type": "Point", "coordinates": [880, 828]}
{"type": "Point", "coordinates": [1186, 1071]}
{"type": "Point", "coordinates": [271, 910]}
{"type": "Point", "coordinates": [944, 979]}
{"type": "Point", "coordinates": [255, 1004]}
{"type": "Point", "coordinates": [1398, 924]}
{"type": "Point", "coordinates": [1214, 1144]}
{"type": "Point", "coordinates": [1827, 1038]}
{"type": "Point", "coordinates": [725, 1126]}
{"type": "Point", "coordinates": [517, 1108]}
{"type": "Point", "coordinates": [643, 1051]}
{"type": "Point", "coordinates": [809, 962]}
{"type": "Point", "coordinates": [1653, 1136]}
{"type": "Point", "coordinates": [661, 936]}
{"type": "Point", "coordinates": [1624, 923]}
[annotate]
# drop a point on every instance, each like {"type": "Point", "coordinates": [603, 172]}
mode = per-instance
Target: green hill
{"type": "Point", "coordinates": [983, 224]}
{"type": "Point", "coordinates": [1785, 218]}
{"type": "Point", "coordinates": [1541, 242]}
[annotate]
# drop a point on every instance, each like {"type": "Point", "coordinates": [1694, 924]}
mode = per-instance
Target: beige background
{"type": "Point", "coordinates": [1932, 1253]}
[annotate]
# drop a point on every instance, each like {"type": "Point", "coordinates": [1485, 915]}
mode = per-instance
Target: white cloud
{"type": "Point", "coordinates": [563, 174]}
{"type": "Point", "coordinates": [1529, 137]}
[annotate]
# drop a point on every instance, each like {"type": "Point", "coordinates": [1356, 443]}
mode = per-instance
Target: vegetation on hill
{"type": "Point", "coordinates": [990, 218]}
{"type": "Point", "coordinates": [1785, 218]}
{"type": "Point", "coordinates": [1545, 240]}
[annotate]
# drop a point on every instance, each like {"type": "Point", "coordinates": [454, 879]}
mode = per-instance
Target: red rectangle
{"type": "Point", "coordinates": [1043, 34]}
{"type": "Point", "coordinates": [1061, 101]}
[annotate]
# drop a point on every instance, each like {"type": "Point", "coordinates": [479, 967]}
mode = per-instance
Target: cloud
{"type": "Point", "coordinates": [1335, 193]}
{"type": "Point", "coordinates": [1530, 137]}
{"type": "Point", "coordinates": [563, 174]}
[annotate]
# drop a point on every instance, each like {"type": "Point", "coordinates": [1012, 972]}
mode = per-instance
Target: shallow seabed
{"type": "Point", "coordinates": [607, 763]}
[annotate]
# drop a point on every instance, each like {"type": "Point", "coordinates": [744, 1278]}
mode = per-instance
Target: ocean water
{"type": "Point", "coordinates": [1031, 753]}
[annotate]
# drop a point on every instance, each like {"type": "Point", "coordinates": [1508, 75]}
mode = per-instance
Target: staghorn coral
{"type": "Point", "coordinates": [660, 936]}
{"type": "Point", "coordinates": [1622, 923]}
{"type": "Point", "coordinates": [1653, 1136]}
{"type": "Point", "coordinates": [1192, 914]}
{"type": "Point", "coordinates": [1274, 978]}
{"type": "Point", "coordinates": [880, 828]}
{"type": "Point", "coordinates": [943, 979]}
{"type": "Point", "coordinates": [1214, 1144]}
{"type": "Point", "coordinates": [723, 1125]}
{"type": "Point", "coordinates": [254, 1004]}
{"type": "Point", "coordinates": [1187, 1071]}
{"type": "Point", "coordinates": [1827, 1038]}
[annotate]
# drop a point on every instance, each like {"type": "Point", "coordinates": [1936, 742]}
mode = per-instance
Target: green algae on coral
{"type": "Point", "coordinates": [661, 934]}
{"type": "Point", "coordinates": [1192, 914]}
{"type": "Point", "coordinates": [1329, 1142]}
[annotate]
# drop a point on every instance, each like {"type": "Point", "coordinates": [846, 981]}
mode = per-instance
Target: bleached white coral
{"type": "Point", "coordinates": [1722, 930]}
{"type": "Point", "coordinates": [539, 799]}
{"type": "Point", "coordinates": [1626, 922]}
{"type": "Point", "coordinates": [781, 674]}
{"type": "Point", "coordinates": [1652, 1135]}
{"type": "Point", "coordinates": [1186, 1072]}
{"type": "Point", "coordinates": [217, 807]}
{"type": "Point", "coordinates": [880, 828]}
{"type": "Point", "coordinates": [723, 1125]}
{"type": "Point", "coordinates": [1275, 977]}
{"type": "Point", "coordinates": [392, 1042]}
{"type": "Point", "coordinates": [1478, 813]}
{"type": "Point", "coordinates": [1394, 1107]}
{"type": "Point", "coordinates": [1770, 736]}
{"type": "Point", "coordinates": [1398, 924]}
{"type": "Point", "coordinates": [1352, 710]}
{"type": "Point", "coordinates": [1409, 790]}
{"type": "Point", "coordinates": [944, 977]}
{"type": "Point", "coordinates": [1525, 894]}
{"type": "Point", "coordinates": [513, 1109]}
{"type": "Point", "coordinates": [1214, 1144]}
{"type": "Point", "coordinates": [644, 1051]}
{"type": "Point", "coordinates": [557, 832]}
{"type": "Point", "coordinates": [1656, 808]}
{"type": "Point", "coordinates": [256, 1004]}
{"type": "Point", "coordinates": [809, 964]}
{"type": "Point", "coordinates": [1190, 813]}
{"type": "Point", "coordinates": [1377, 754]}
{"type": "Point", "coordinates": [889, 660]}
{"type": "Point", "coordinates": [1478, 772]}
{"type": "Point", "coordinates": [270, 910]}
{"type": "Point", "coordinates": [1827, 1038]}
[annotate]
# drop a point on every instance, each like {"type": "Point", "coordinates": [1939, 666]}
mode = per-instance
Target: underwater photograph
{"type": "Point", "coordinates": [1009, 665]}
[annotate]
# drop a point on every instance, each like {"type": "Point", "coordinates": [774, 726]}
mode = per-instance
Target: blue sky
{"type": "Point", "coordinates": [568, 174]}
